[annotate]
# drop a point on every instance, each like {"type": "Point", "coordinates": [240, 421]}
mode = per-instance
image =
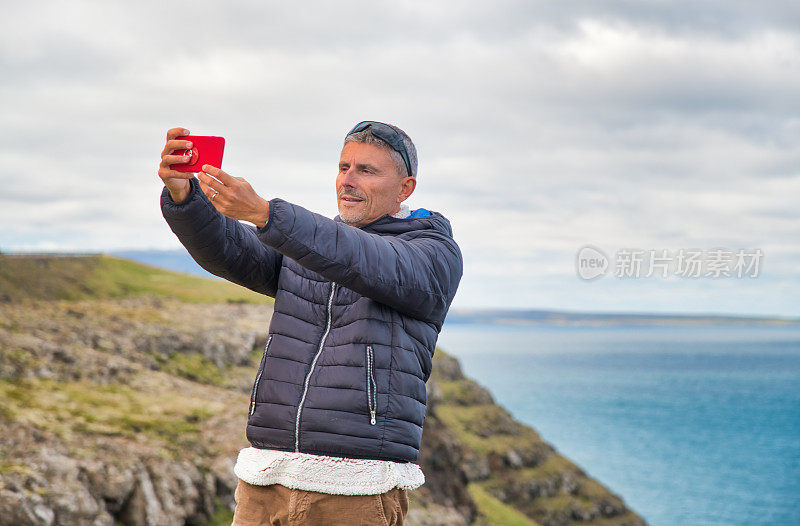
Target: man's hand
{"type": "Point", "coordinates": [233, 196]}
{"type": "Point", "coordinates": [176, 182]}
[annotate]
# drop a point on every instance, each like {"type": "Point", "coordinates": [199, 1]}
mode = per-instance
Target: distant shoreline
{"type": "Point", "coordinates": [546, 317]}
{"type": "Point", "coordinates": [180, 261]}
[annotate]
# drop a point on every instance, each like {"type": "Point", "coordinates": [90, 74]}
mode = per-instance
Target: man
{"type": "Point", "coordinates": [338, 402]}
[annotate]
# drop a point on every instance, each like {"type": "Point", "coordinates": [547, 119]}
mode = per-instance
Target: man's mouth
{"type": "Point", "coordinates": [351, 199]}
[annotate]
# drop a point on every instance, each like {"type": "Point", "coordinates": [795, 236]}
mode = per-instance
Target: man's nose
{"type": "Point", "coordinates": [349, 177]}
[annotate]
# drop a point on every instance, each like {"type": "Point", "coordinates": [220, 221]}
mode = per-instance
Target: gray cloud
{"type": "Point", "coordinates": [540, 127]}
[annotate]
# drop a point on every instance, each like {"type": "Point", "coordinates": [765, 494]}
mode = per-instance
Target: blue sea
{"type": "Point", "coordinates": [690, 425]}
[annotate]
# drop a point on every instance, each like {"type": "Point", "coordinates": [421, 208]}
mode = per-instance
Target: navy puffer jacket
{"type": "Point", "coordinates": [357, 315]}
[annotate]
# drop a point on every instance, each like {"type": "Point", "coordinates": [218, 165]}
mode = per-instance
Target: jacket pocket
{"type": "Point", "coordinates": [258, 376]}
{"type": "Point", "coordinates": [372, 402]}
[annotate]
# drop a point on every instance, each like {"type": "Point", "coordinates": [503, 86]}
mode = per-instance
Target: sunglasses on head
{"type": "Point", "coordinates": [387, 134]}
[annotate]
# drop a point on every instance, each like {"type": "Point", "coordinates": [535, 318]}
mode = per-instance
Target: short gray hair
{"type": "Point", "coordinates": [366, 137]}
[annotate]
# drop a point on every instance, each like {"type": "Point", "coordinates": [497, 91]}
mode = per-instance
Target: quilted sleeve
{"type": "Point", "coordinates": [417, 277]}
{"type": "Point", "coordinates": [221, 245]}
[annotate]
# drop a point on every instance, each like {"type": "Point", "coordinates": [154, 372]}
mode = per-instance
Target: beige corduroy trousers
{"type": "Point", "coordinates": [277, 505]}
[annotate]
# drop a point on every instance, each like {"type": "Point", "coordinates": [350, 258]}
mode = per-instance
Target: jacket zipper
{"type": "Point", "coordinates": [371, 386]}
{"type": "Point", "coordinates": [308, 376]}
{"type": "Point", "coordinates": [260, 371]}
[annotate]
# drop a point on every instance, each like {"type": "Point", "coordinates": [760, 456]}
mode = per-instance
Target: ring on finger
{"type": "Point", "coordinates": [213, 196]}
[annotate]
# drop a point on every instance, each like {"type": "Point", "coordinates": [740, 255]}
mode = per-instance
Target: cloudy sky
{"type": "Point", "coordinates": [541, 127]}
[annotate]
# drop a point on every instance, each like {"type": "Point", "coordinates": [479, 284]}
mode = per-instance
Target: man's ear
{"type": "Point", "coordinates": [407, 187]}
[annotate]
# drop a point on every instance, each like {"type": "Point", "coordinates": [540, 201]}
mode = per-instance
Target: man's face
{"type": "Point", "coordinates": [368, 185]}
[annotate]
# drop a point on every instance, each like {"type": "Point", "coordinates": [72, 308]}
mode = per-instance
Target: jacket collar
{"type": "Point", "coordinates": [394, 225]}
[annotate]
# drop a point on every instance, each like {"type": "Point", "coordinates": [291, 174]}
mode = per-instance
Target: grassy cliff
{"type": "Point", "coordinates": [106, 277]}
{"type": "Point", "coordinates": [124, 393]}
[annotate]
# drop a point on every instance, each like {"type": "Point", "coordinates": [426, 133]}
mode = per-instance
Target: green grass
{"type": "Point", "coordinates": [78, 408]}
{"type": "Point", "coordinates": [497, 513]}
{"type": "Point", "coordinates": [222, 515]}
{"type": "Point", "coordinates": [195, 367]}
{"type": "Point", "coordinates": [8, 466]}
{"type": "Point", "coordinates": [461, 392]}
{"type": "Point", "coordinates": [556, 503]}
{"type": "Point", "coordinates": [475, 427]}
{"type": "Point", "coordinates": [104, 277]}
{"type": "Point", "coordinates": [553, 465]}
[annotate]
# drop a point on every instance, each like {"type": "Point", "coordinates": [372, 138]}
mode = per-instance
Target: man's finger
{"type": "Point", "coordinates": [176, 132]}
{"type": "Point", "coordinates": [166, 173]}
{"type": "Point", "coordinates": [210, 181]}
{"type": "Point", "coordinates": [173, 145]}
{"type": "Point", "coordinates": [206, 189]}
{"type": "Point", "coordinates": [175, 159]}
{"type": "Point", "coordinates": [219, 174]}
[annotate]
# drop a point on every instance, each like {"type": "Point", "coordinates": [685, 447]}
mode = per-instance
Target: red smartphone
{"type": "Point", "coordinates": [205, 150]}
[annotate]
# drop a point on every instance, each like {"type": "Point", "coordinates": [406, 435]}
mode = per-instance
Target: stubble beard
{"type": "Point", "coordinates": [352, 217]}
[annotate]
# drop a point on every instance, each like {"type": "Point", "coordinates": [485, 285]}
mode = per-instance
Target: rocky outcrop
{"type": "Point", "coordinates": [113, 413]}
{"type": "Point", "coordinates": [126, 485]}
